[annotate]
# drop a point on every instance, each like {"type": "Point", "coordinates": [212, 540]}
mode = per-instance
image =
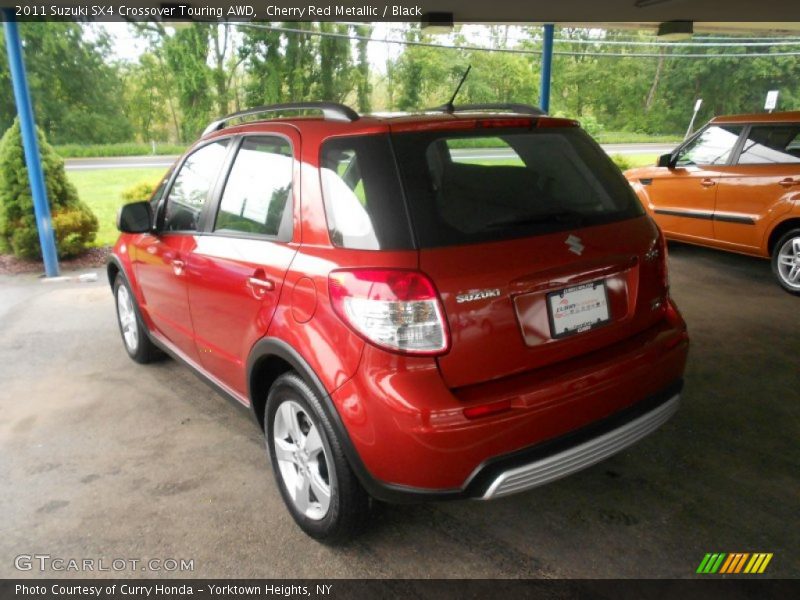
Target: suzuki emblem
{"type": "Point", "coordinates": [574, 243]}
{"type": "Point", "coordinates": [477, 295]}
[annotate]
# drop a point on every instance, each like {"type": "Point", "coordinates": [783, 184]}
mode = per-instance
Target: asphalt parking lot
{"type": "Point", "coordinates": [103, 458]}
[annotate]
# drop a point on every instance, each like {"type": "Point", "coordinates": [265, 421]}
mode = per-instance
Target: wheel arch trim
{"type": "Point", "coordinates": [274, 347]}
{"type": "Point", "coordinates": [268, 347]}
{"type": "Point", "coordinates": [112, 263]}
{"type": "Point", "coordinates": [777, 230]}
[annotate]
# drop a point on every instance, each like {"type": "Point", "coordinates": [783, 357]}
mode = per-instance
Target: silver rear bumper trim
{"type": "Point", "coordinates": [582, 456]}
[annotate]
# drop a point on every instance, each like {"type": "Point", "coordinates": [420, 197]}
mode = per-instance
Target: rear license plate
{"type": "Point", "coordinates": [579, 308]}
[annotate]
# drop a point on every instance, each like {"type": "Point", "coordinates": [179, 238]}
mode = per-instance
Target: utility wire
{"type": "Point", "coordinates": [666, 55]}
{"type": "Point", "coordinates": [729, 42]}
{"type": "Point", "coordinates": [795, 42]}
{"type": "Point", "coordinates": [618, 35]}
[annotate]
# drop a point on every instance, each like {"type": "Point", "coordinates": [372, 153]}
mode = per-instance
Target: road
{"type": "Point", "coordinates": [130, 162]}
{"type": "Point", "coordinates": [101, 457]}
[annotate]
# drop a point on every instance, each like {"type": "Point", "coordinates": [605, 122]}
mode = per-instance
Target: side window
{"type": "Point", "coordinates": [258, 194]}
{"type": "Point", "coordinates": [159, 191]}
{"type": "Point", "coordinates": [192, 186]}
{"type": "Point", "coordinates": [771, 144]}
{"type": "Point", "coordinates": [712, 147]}
{"type": "Point", "coordinates": [362, 194]}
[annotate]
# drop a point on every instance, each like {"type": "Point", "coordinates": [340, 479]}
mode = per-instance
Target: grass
{"type": "Point", "coordinates": [102, 190]}
{"type": "Point", "coordinates": [111, 150]}
{"type": "Point", "coordinates": [476, 142]}
{"type": "Point", "coordinates": [632, 137]}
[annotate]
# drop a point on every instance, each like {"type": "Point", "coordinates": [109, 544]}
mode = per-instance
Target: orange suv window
{"type": "Point", "coordinates": [712, 147]}
{"type": "Point", "coordinates": [771, 144]}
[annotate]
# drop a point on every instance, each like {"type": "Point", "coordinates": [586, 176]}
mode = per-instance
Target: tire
{"type": "Point", "coordinates": [134, 334]}
{"type": "Point", "coordinates": [786, 261]}
{"type": "Point", "coordinates": [316, 482]}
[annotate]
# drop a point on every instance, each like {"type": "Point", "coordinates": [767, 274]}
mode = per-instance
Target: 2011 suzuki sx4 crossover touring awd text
{"type": "Point", "coordinates": [458, 304]}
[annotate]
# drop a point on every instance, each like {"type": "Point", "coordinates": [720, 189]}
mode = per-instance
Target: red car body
{"type": "Point", "coordinates": [503, 392]}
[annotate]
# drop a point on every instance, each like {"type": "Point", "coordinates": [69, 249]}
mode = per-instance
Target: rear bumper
{"type": "Point", "coordinates": [408, 438]}
{"type": "Point", "coordinates": [581, 455]}
{"type": "Point", "coordinates": [546, 462]}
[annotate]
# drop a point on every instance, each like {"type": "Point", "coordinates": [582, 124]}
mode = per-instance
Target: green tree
{"type": "Point", "coordinates": [726, 85]}
{"type": "Point", "coordinates": [300, 69]}
{"type": "Point", "coordinates": [75, 86]}
{"type": "Point", "coordinates": [335, 63]}
{"type": "Point", "coordinates": [74, 223]}
{"type": "Point", "coordinates": [499, 76]}
{"type": "Point", "coordinates": [363, 85]}
{"type": "Point", "coordinates": [426, 75]}
{"type": "Point", "coordinates": [295, 66]}
{"type": "Point", "coordinates": [186, 54]}
{"type": "Point", "coordinates": [264, 66]}
{"type": "Point", "coordinates": [149, 101]}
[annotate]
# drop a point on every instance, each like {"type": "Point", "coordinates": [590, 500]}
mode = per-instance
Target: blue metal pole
{"type": "Point", "coordinates": [547, 66]}
{"type": "Point", "coordinates": [30, 144]}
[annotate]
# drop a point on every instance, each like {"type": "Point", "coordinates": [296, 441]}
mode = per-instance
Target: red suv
{"type": "Point", "coordinates": [458, 304]}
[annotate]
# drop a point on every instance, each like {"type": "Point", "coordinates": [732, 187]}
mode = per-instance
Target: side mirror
{"type": "Point", "coordinates": [136, 217]}
{"type": "Point", "coordinates": [665, 160]}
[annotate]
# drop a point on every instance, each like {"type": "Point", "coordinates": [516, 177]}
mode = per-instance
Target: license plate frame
{"type": "Point", "coordinates": [584, 296]}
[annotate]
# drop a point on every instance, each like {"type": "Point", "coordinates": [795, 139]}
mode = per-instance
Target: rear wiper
{"type": "Point", "coordinates": [561, 216]}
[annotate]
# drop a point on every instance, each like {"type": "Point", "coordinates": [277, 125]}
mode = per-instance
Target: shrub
{"type": "Point", "coordinates": [74, 223]}
{"type": "Point", "coordinates": [591, 125]}
{"type": "Point", "coordinates": [75, 230]}
{"type": "Point", "coordinates": [140, 191]}
{"type": "Point", "coordinates": [623, 162]}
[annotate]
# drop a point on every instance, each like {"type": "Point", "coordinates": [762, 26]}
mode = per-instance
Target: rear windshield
{"type": "Point", "coordinates": [474, 187]}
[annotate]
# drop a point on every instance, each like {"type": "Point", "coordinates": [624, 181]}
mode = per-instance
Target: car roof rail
{"type": "Point", "coordinates": [332, 111]}
{"type": "Point", "coordinates": [524, 109]}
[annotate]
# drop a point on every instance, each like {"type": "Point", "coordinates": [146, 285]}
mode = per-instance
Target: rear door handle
{"type": "Point", "coordinates": [788, 182]}
{"type": "Point", "coordinates": [262, 283]}
{"type": "Point", "coordinates": [708, 182]}
{"type": "Point", "coordinates": [259, 284]}
{"type": "Point", "coordinates": [177, 266]}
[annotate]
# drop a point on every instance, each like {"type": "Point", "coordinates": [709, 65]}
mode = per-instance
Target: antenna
{"type": "Point", "coordinates": [450, 107]}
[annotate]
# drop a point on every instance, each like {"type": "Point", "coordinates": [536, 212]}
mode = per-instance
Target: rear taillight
{"type": "Point", "coordinates": [658, 255]}
{"type": "Point", "coordinates": [395, 309]}
{"type": "Point", "coordinates": [516, 122]}
{"type": "Point", "coordinates": [663, 262]}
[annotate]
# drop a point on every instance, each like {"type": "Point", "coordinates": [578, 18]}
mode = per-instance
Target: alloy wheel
{"type": "Point", "coordinates": [303, 462]}
{"type": "Point", "coordinates": [789, 263]}
{"type": "Point", "coordinates": [127, 319]}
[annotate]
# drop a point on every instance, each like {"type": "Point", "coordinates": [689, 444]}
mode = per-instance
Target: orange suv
{"type": "Point", "coordinates": [733, 185]}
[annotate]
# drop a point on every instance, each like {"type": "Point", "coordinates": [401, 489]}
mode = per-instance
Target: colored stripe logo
{"type": "Point", "coordinates": [734, 563]}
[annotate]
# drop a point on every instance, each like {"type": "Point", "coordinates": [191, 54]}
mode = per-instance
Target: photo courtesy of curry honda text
{"type": "Point", "coordinates": [404, 320]}
{"type": "Point", "coordinates": [734, 185]}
